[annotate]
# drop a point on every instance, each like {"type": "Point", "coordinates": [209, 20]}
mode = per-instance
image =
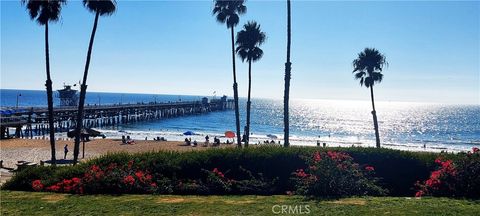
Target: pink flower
{"type": "Point", "coordinates": [419, 194]}
{"type": "Point", "coordinates": [317, 157]}
{"type": "Point", "coordinates": [475, 150]}
{"type": "Point", "coordinates": [369, 168]}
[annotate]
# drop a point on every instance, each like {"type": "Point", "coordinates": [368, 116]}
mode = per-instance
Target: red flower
{"type": "Point", "coordinates": [67, 188]}
{"type": "Point", "coordinates": [67, 182]}
{"type": "Point", "coordinates": [369, 168]}
{"type": "Point", "coordinates": [419, 194]}
{"type": "Point", "coordinates": [37, 185]}
{"type": "Point", "coordinates": [139, 174]}
{"type": "Point", "coordinates": [436, 174]}
{"type": "Point", "coordinates": [99, 174]}
{"type": "Point", "coordinates": [129, 180]}
{"type": "Point", "coordinates": [54, 188]}
{"type": "Point", "coordinates": [148, 177]}
{"type": "Point", "coordinates": [300, 173]}
{"type": "Point", "coordinates": [95, 168]}
{"type": "Point", "coordinates": [76, 180]}
{"type": "Point", "coordinates": [475, 150]}
{"type": "Point", "coordinates": [153, 184]}
{"type": "Point", "coordinates": [317, 157]}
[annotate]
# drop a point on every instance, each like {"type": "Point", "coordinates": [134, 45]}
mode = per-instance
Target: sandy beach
{"type": "Point", "coordinates": [35, 150]}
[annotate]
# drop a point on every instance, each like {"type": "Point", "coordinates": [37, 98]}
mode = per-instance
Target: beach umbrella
{"type": "Point", "coordinates": [229, 134]}
{"type": "Point", "coordinates": [188, 133]}
{"type": "Point", "coordinates": [272, 136]}
{"type": "Point", "coordinates": [85, 133]}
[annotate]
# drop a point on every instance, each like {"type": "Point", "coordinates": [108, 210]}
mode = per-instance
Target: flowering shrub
{"type": "Point", "coordinates": [111, 179]}
{"type": "Point", "coordinates": [335, 174]}
{"type": "Point", "coordinates": [459, 179]}
{"type": "Point", "coordinates": [217, 182]}
{"type": "Point", "coordinates": [399, 170]}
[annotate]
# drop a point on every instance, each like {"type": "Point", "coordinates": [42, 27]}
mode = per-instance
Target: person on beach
{"type": "Point", "coordinates": [206, 141]}
{"type": "Point", "coordinates": [65, 150]}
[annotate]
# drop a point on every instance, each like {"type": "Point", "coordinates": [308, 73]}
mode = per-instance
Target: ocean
{"type": "Point", "coordinates": [403, 125]}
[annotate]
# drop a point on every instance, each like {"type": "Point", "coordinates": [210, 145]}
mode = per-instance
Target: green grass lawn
{"type": "Point", "coordinates": [28, 203]}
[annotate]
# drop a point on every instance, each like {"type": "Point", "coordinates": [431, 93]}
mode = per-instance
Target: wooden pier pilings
{"type": "Point", "coordinates": [34, 122]}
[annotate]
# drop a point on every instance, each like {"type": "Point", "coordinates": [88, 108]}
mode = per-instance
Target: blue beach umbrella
{"type": "Point", "coordinates": [188, 133]}
{"type": "Point", "coordinates": [272, 136]}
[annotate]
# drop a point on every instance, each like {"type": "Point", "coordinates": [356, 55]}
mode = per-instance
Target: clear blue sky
{"type": "Point", "coordinates": [177, 47]}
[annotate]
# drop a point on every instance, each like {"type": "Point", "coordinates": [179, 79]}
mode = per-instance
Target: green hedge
{"type": "Point", "coordinates": [397, 170]}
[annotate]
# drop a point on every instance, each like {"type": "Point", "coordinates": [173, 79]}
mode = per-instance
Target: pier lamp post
{"type": "Point", "coordinates": [98, 100]}
{"type": "Point", "coordinates": [18, 96]}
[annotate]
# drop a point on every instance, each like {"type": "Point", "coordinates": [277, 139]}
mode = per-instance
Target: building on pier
{"type": "Point", "coordinates": [67, 96]}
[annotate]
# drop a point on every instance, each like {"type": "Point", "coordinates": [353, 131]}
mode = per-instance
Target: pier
{"type": "Point", "coordinates": [29, 122]}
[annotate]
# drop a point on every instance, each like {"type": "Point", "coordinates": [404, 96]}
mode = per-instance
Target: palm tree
{"type": "Point", "coordinates": [288, 75]}
{"type": "Point", "coordinates": [248, 41]}
{"type": "Point", "coordinates": [43, 12]}
{"type": "Point", "coordinates": [368, 69]}
{"type": "Point", "coordinates": [100, 8]}
{"type": "Point", "coordinates": [228, 11]}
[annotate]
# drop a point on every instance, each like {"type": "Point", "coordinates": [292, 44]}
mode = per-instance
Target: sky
{"type": "Point", "coordinates": [177, 47]}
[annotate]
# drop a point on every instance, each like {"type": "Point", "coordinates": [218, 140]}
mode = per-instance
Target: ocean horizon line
{"type": "Point", "coordinates": [265, 98]}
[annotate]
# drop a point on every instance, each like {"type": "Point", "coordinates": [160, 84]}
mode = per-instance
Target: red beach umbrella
{"type": "Point", "coordinates": [229, 134]}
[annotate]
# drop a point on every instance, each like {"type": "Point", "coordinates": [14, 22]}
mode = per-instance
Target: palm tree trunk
{"type": "Point", "coordinates": [48, 84]}
{"type": "Point", "coordinates": [83, 92]}
{"type": "Point", "coordinates": [249, 103]}
{"type": "Point", "coordinates": [288, 69]}
{"type": "Point", "coordinates": [375, 122]}
{"type": "Point", "coordinates": [235, 93]}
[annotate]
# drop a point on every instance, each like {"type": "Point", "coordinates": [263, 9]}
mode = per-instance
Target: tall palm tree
{"type": "Point", "coordinates": [228, 11]}
{"type": "Point", "coordinates": [368, 69]}
{"type": "Point", "coordinates": [288, 75]}
{"type": "Point", "coordinates": [43, 12]}
{"type": "Point", "coordinates": [100, 8]}
{"type": "Point", "coordinates": [248, 41]}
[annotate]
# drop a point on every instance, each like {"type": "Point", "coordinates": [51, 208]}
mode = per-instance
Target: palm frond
{"type": "Point", "coordinates": [103, 7]}
{"type": "Point", "coordinates": [368, 67]}
{"type": "Point", "coordinates": [44, 11]}
{"type": "Point", "coordinates": [248, 41]}
{"type": "Point", "coordinates": [228, 11]}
